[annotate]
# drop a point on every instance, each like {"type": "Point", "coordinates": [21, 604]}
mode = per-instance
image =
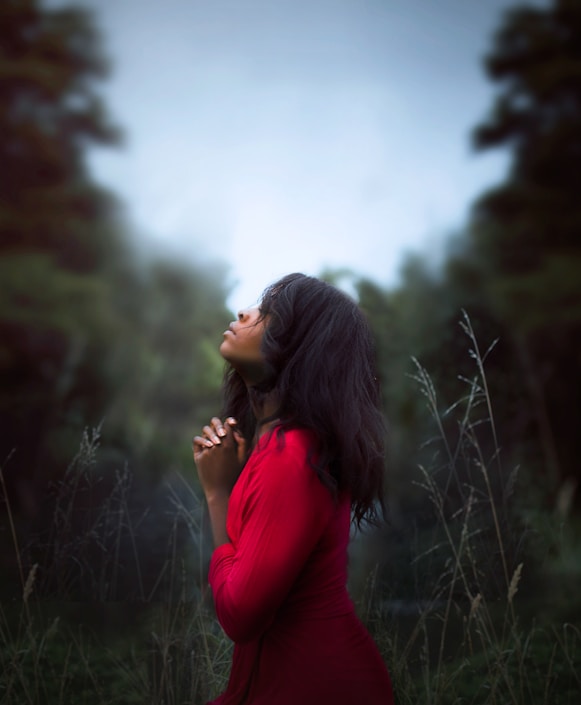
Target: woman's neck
{"type": "Point", "coordinates": [266, 414]}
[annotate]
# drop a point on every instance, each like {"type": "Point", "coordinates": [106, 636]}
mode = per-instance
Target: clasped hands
{"type": "Point", "coordinates": [219, 454]}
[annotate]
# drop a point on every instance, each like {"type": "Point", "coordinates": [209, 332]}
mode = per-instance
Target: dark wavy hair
{"type": "Point", "coordinates": [320, 362]}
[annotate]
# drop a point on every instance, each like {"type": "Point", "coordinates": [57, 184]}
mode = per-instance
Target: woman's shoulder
{"type": "Point", "coordinates": [284, 458]}
{"type": "Point", "coordinates": [280, 439]}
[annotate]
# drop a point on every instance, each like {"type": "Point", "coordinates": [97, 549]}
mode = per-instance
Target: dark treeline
{"type": "Point", "coordinates": [513, 276]}
{"type": "Point", "coordinates": [91, 334]}
{"type": "Point", "coordinates": [94, 336]}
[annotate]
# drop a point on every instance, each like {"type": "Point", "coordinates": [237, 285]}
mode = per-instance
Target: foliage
{"type": "Point", "coordinates": [514, 269]}
{"type": "Point", "coordinates": [57, 229]}
{"type": "Point", "coordinates": [525, 231]}
{"type": "Point", "coordinates": [88, 330]}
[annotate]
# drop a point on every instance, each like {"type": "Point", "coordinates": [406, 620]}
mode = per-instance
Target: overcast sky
{"type": "Point", "coordinates": [283, 135]}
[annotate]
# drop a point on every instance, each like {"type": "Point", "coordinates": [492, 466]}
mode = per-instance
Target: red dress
{"type": "Point", "coordinates": [280, 589]}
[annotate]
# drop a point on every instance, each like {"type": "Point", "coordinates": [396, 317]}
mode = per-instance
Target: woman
{"type": "Point", "coordinates": [300, 452]}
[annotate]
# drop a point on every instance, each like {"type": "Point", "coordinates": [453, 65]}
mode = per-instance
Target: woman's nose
{"type": "Point", "coordinates": [247, 315]}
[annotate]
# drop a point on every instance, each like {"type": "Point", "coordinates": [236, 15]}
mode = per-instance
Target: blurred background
{"type": "Point", "coordinates": [161, 163]}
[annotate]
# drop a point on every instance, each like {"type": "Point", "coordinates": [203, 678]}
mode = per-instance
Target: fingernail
{"type": "Point", "coordinates": [222, 431]}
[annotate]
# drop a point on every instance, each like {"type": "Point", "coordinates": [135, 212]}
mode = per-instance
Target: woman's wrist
{"type": "Point", "coordinates": [217, 497]}
{"type": "Point", "coordinates": [218, 510]}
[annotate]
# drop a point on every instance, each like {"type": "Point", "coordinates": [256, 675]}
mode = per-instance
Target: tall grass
{"type": "Point", "coordinates": [469, 641]}
{"type": "Point", "coordinates": [95, 618]}
{"type": "Point", "coordinates": [112, 607]}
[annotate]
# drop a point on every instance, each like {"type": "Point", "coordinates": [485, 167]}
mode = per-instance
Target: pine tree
{"type": "Point", "coordinates": [527, 230]}
{"type": "Point", "coordinates": [57, 229]}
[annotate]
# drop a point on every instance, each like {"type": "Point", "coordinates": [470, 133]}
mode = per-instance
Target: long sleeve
{"type": "Point", "coordinates": [281, 509]}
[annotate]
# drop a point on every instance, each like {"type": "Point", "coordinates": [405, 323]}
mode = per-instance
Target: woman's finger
{"type": "Point", "coordinates": [200, 443]}
{"type": "Point", "coordinates": [211, 434]}
{"type": "Point", "coordinates": [218, 426]}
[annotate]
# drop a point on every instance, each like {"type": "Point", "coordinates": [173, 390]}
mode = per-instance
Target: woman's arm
{"type": "Point", "coordinates": [284, 510]}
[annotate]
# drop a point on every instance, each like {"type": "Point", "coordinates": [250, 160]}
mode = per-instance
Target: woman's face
{"type": "Point", "coordinates": [241, 345]}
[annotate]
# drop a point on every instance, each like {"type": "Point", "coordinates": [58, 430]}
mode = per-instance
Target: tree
{"type": "Point", "coordinates": [527, 230]}
{"type": "Point", "coordinates": [49, 114]}
{"type": "Point", "coordinates": [58, 233]}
